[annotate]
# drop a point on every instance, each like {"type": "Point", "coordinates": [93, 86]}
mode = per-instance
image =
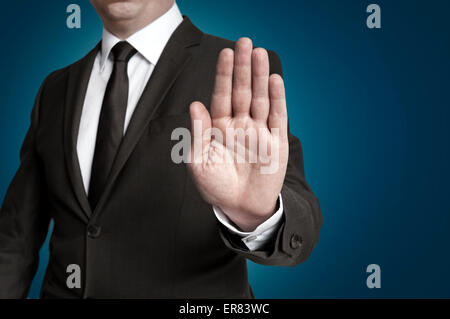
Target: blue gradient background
{"type": "Point", "coordinates": [371, 108]}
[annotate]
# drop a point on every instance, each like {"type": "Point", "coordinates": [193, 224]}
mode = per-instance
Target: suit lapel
{"type": "Point", "coordinates": [171, 63]}
{"type": "Point", "coordinates": [78, 80]}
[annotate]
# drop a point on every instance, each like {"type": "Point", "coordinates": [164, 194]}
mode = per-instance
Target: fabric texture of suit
{"type": "Point", "coordinates": [151, 234]}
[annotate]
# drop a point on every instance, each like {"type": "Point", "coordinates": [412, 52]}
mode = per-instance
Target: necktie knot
{"type": "Point", "coordinates": [123, 51]}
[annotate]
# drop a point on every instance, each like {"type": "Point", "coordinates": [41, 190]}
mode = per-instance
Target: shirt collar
{"type": "Point", "coordinates": [149, 41]}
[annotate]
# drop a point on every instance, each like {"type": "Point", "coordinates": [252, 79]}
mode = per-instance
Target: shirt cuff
{"type": "Point", "coordinates": [261, 235]}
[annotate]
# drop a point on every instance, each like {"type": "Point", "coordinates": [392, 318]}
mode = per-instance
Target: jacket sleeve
{"type": "Point", "coordinates": [299, 231]}
{"type": "Point", "coordinates": [24, 218]}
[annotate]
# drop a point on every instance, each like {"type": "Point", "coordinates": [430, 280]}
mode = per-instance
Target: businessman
{"type": "Point", "coordinates": [98, 161]}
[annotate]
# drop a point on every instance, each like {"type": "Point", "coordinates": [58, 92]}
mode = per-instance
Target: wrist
{"type": "Point", "coordinates": [248, 220]}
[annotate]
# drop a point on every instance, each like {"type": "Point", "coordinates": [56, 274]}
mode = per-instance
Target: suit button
{"type": "Point", "coordinates": [296, 241]}
{"type": "Point", "coordinates": [94, 231]}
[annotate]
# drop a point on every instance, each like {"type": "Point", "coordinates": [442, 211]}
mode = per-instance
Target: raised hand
{"type": "Point", "coordinates": [241, 173]}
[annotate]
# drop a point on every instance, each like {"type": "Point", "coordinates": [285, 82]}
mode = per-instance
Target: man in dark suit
{"type": "Point", "coordinates": [98, 160]}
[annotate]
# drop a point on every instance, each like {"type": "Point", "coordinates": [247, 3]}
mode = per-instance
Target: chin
{"type": "Point", "coordinates": [123, 10]}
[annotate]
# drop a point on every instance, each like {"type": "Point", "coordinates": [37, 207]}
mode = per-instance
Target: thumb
{"type": "Point", "coordinates": [200, 123]}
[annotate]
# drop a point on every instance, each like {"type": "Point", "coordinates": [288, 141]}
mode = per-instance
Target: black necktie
{"type": "Point", "coordinates": [111, 123]}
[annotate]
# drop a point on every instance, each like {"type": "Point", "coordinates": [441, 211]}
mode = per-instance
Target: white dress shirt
{"type": "Point", "coordinates": [149, 43]}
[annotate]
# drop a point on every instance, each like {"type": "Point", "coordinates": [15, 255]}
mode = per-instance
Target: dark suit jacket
{"type": "Point", "coordinates": [151, 235]}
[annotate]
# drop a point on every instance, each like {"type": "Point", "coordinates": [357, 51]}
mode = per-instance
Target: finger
{"type": "Point", "coordinates": [278, 111]}
{"type": "Point", "coordinates": [242, 77]}
{"type": "Point", "coordinates": [221, 96]}
{"type": "Point", "coordinates": [200, 123]}
{"type": "Point", "coordinates": [260, 85]}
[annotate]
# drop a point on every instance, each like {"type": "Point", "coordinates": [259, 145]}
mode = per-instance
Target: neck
{"type": "Point", "coordinates": [123, 29]}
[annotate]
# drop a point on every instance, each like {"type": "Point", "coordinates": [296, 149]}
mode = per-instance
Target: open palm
{"type": "Point", "coordinates": [239, 152]}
